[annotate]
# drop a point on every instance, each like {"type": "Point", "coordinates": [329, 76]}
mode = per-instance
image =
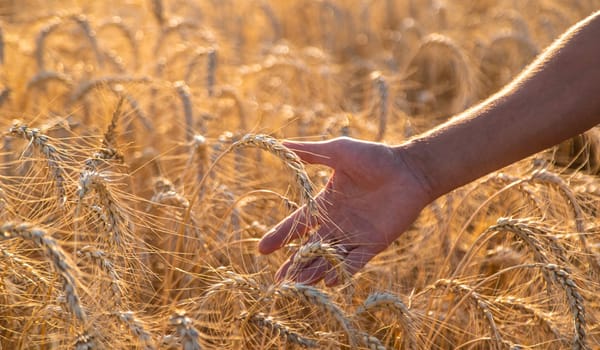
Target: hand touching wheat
{"type": "Point", "coordinates": [371, 198]}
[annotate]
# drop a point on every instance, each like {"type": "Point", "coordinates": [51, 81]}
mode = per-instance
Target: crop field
{"type": "Point", "coordinates": [141, 162]}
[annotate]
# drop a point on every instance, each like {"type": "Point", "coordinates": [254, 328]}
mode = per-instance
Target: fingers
{"type": "Point", "coordinates": [322, 152]}
{"type": "Point", "coordinates": [297, 225]}
{"type": "Point", "coordinates": [319, 268]}
{"type": "Point", "coordinates": [310, 273]}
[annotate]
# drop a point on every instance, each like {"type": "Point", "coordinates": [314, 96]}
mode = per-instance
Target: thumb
{"type": "Point", "coordinates": [321, 152]}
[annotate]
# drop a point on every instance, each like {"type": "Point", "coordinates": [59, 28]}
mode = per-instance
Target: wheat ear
{"type": "Point", "coordinates": [42, 143]}
{"type": "Point", "coordinates": [575, 301]}
{"type": "Point", "coordinates": [524, 307]}
{"type": "Point", "coordinates": [158, 11]}
{"type": "Point", "coordinates": [183, 90]}
{"type": "Point", "coordinates": [322, 301]}
{"type": "Point", "coordinates": [189, 335]}
{"type": "Point", "coordinates": [100, 259]}
{"type": "Point", "coordinates": [291, 160]}
{"type": "Point", "coordinates": [467, 292]}
{"type": "Point", "coordinates": [278, 328]}
{"type": "Point", "coordinates": [93, 180]}
{"type": "Point", "coordinates": [45, 76]}
{"type": "Point", "coordinates": [553, 179]}
{"type": "Point", "coordinates": [310, 251]}
{"type": "Point", "coordinates": [27, 266]}
{"type": "Point", "coordinates": [90, 34]}
{"type": "Point", "coordinates": [57, 256]}
{"type": "Point", "coordinates": [138, 328]}
{"type": "Point", "coordinates": [85, 342]}
{"type": "Point", "coordinates": [117, 23]}
{"type": "Point", "coordinates": [41, 40]}
{"type": "Point", "coordinates": [371, 342]}
{"type": "Point", "coordinates": [382, 300]}
{"type": "Point", "coordinates": [87, 86]}
{"type": "Point", "coordinates": [108, 150]}
{"type": "Point", "coordinates": [164, 193]}
{"type": "Point", "coordinates": [382, 89]}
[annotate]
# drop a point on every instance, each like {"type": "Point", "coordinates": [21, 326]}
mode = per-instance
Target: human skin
{"type": "Point", "coordinates": [376, 191]}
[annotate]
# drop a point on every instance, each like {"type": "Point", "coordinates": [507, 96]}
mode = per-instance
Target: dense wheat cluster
{"type": "Point", "coordinates": [141, 163]}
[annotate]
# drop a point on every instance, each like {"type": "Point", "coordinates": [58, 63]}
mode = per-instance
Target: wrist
{"type": "Point", "coordinates": [413, 156]}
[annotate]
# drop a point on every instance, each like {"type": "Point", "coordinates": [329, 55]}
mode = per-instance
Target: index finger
{"type": "Point", "coordinates": [296, 225]}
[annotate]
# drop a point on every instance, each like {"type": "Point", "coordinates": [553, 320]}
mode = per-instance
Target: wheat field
{"type": "Point", "coordinates": [142, 161]}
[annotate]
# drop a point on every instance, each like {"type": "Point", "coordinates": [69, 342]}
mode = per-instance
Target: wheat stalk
{"type": "Point", "coordinates": [1, 46]}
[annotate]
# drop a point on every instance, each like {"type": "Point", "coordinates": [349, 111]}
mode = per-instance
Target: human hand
{"type": "Point", "coordinates": [370, 200]}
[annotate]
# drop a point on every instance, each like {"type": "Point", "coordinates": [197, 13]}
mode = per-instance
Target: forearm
{"type": "Point", "coordinates": [555, 98]}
